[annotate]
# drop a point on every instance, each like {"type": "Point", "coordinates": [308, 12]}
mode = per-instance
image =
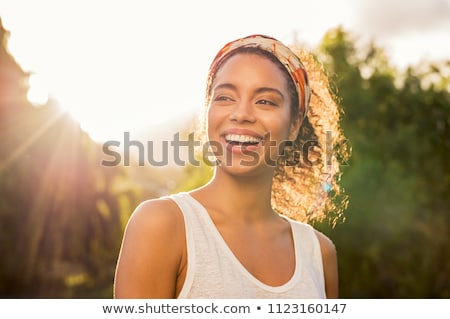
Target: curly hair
{"type": "Point", "coordinates": [306, 182]}
{"type": "Point", "coordinates": [306, 185]}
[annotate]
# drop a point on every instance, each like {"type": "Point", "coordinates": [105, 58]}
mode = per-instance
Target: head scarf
{"type": "Point", "coordinates": [289, 59]}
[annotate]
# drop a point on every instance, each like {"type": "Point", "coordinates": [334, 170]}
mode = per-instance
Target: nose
{"type": "Point", "coordinates": [243, 112]}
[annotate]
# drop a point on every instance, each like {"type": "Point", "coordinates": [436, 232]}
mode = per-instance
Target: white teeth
{"type": "Point", "coordinates": [241, 138]}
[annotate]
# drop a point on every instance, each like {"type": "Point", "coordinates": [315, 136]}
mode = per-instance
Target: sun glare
{"type": "Point", "coordinates": [38, 91]}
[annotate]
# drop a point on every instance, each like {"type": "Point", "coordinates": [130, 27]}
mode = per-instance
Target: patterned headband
{"type": "Point", "coordinates": [289, 59]}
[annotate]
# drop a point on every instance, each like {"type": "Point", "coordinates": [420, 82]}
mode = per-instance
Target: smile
{"type": "Point", "coordinates": [238, 139]}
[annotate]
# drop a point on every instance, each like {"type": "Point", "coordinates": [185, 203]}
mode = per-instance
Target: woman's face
{"type": "Point", "coordinates": [249, 113]}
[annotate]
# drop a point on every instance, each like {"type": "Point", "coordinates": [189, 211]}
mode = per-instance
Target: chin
{"type": "Point", "coordinates": [245, 168]}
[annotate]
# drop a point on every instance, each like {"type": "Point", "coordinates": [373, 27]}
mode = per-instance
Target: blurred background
{"type": "Point", "coordinates": [75, 76]}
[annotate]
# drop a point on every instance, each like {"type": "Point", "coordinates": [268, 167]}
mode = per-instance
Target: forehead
{"type": "Point", "coordinates": [246, 67]}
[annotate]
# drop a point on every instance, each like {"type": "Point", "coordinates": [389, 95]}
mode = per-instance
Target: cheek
{"type": "Point", "coordinates": [213, 118]}
{"type": "Point", "coordinates": [280, 124]}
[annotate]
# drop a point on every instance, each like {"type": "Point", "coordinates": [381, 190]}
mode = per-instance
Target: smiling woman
{"type": "Point", "coordinates": [245, 234]}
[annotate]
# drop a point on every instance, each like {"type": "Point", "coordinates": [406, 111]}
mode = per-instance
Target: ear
{"type": "Point", "coordinates": [295, 127]}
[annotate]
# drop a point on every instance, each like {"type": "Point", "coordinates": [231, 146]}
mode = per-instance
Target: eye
{"type": "Point", "coordinates": [223, 98]}
{"type": "Point", "coordinates": [266, 102]}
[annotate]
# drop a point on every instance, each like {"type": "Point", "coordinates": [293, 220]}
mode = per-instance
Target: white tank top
{"type": "Point", "coordinates": [213, 271]}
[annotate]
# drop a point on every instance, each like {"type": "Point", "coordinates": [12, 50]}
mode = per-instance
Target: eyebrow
{"type": "Point", "coordinates": [258, 90]}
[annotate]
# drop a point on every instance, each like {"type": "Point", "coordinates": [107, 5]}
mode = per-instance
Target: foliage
{"type": "Point", "coordinates": [394, 242]}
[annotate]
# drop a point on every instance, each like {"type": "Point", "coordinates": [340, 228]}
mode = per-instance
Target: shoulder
{"type": "Point", "coordinates": [327, 247]}
{"type": "Point", "coordinates": [155, 227]}
{"type": "Point", "coordinates": [156, 223]}
{"type": "Point", "coordinates": [156, 214]}
{"type": "Point", "coordinates": [152, 251]}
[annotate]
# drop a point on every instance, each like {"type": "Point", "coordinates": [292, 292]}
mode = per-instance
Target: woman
{"type": "Point", "coordinates": [228, 239]}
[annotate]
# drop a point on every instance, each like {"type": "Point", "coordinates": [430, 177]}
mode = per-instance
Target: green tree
{"type": "Point", "coordinates": [394, 241]}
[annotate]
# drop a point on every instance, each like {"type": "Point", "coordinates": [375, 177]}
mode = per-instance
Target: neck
{"type": "Point", "coordinates": [243, 197]}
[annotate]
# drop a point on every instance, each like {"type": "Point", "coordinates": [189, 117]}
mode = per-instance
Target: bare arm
{"type": "Point", "coordinates": [330, 265]}
{"type": "Point", "coordinates": [152, 252]}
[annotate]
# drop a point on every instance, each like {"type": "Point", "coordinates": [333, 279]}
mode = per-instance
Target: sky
{"type": "Point", "coordinates": [140, 66]}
